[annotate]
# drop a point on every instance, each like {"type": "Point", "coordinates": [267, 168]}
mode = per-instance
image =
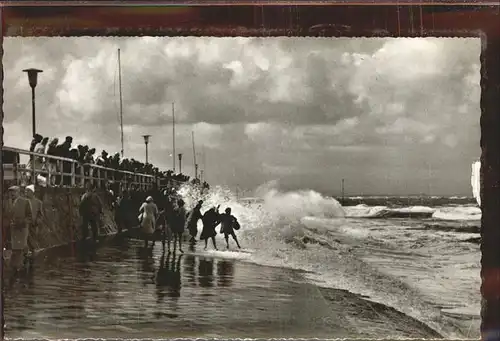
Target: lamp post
{"type": "Point", "coordinates": [33, 79]}
{"type": "Point", "coordinates": [146, 141]}
{"type": "Point", "coordinates": [180, 163]}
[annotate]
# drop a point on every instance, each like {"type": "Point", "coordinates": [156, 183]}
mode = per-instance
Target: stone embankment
{"type": "Point", "coordinates": [61, 221]}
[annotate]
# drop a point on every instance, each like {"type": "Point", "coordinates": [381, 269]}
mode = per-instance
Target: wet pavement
{"type": "Point", "coordinates": [124, 290]}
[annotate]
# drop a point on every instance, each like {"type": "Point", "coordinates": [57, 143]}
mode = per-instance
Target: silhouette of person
{"type": "Point", "coordinates": [149, 212]}
{"type": "Point", "coordinates": [169, 274]}
{"type": "Point", "coordinates": [225, 273]}
{"type": "Point", "coordinates": [210, 220]}
{"type": "Point", "coordinates": [229, 224]}
{"type": "Point", "coordinates": [192, 221]}
{"type": "Point", "coordinates": [179, 223]}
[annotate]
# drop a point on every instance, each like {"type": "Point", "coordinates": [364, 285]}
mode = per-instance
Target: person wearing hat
{"type": "Point", "coordinates": [19, 211]}
{"type": "Point", "coordinates": [52, 164]}
{"type": "Point", "coordinates": [149, 212]}
{"type": "Point", "coordinates": [36, 213]}
{"type": "Point", "coordinates": [37, 138]}
{"type": "Point", "coordinates": [210, 220]}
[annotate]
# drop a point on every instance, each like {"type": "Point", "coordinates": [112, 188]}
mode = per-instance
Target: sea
{"type": "Point", "coordinates": [417, 254]}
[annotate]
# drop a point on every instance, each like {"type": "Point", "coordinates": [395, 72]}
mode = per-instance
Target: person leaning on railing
{"type": "Point", "coordinates": [40, 149]}
{"type": "Point", "coordinates": [36, 139]}
{"type": "Point", "coordinates": [62, 150]}
{"type": "Point", "coordinates": [52, 164]}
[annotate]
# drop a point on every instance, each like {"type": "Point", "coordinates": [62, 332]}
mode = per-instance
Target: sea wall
{"type": "Point", "coordinates": [61, 220]}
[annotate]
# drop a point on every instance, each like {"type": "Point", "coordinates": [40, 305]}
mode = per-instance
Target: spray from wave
{"type": "Point", "coordinates": [300, 230]}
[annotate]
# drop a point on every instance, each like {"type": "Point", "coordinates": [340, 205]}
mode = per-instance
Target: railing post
{"type": "Point", "coordinates": [82, 176]}
{"type": "Point", "coordinates": [60, 171]}
{"type": "Point", "coordinates": [73, 180]}
{"type": "Point", "coordinates": [98, 177]}
{"type": "Point", "coordinates": [33, 175]}
{"type": "Point", "coordinates": [14, 169]}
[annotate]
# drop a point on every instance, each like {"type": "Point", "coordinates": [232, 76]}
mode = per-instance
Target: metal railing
{"type": "Point", "coordinates": [61, 171]}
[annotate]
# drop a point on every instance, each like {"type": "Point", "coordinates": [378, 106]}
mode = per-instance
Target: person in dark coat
{"type": "Point", "coordinates": [63, 150]}
{"type": "Point", "coordinates": [36, 140]}
{"type": "Point", "coordinates": [229, 224]}
{"type": "Point", "coordinates": [90, 211]}
{"type": "Point", "coordinates": [126, 211]}
{"type": "Point", "coordinates": [210, 220]}
{"type": "Point", "coordinates": [192, 221]}
{"type": "Point", "coordinates": [179, 221]}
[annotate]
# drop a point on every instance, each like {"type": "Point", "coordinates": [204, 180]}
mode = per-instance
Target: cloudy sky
{"type": "Point", "coordinates": [391, 116]}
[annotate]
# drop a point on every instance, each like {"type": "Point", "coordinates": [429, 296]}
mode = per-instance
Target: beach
{"type": "Point", "coordinates": [117, 292]}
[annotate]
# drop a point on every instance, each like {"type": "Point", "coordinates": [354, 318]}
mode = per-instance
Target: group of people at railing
{"type": "Point", "coordinates": [84, 157]}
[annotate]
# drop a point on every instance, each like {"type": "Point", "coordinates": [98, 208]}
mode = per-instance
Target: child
{"type": "Point", "coordinates": [228, 225]}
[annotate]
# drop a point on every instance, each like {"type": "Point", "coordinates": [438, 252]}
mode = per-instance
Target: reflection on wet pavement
{"type": "Point", "coordinates": [124, 284]}
{"type": "Point", "coordinates": [124, 290]}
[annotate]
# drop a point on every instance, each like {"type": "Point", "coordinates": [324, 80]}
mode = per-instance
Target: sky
{"type": "Point", "coordinates": [390, 116]}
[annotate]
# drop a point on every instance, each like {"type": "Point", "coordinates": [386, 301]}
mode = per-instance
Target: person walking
{"type": "Point", "coordinates": [229, 224]}
{"type": "Point", "coordinates": [210, 220]}
{"type": "Point", "coordinates": [179, 221]}
{"type": "Point", "coordinates": [52, 164]}
{"type": "Point", "coordinates": [149, 212]}
{"type": "Point", "coordinates": [20, 213]}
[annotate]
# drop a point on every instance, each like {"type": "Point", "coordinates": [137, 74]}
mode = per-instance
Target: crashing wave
{"type": "Point", "coordinates": [458, 213]}
{"type": "Point", "coordinates": [308, 231]}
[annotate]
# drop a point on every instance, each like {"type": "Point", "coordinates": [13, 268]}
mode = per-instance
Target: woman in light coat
{"type": "Point", "coordinates": [148, 213]}
{"type": "Point", "coordinates": [52, 164]}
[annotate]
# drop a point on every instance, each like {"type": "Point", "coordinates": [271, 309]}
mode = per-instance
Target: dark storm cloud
{"type": "Point", "coordinates": [305, 111]}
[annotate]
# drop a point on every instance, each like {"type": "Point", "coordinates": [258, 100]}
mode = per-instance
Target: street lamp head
{"type": "Point", "coordinates": [180, 156]}
{"type": "Point", "coordinates": [32, 76]}
{"type": "Point", "coordinates": [146, 138]}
